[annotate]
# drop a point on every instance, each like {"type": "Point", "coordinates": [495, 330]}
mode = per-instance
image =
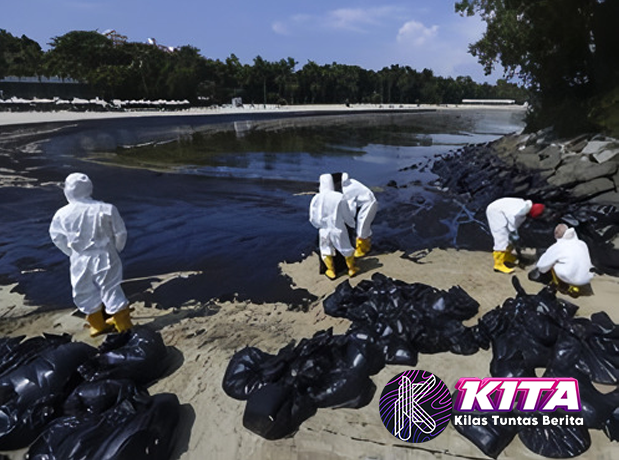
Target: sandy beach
{"type": "Point", "coordinates": [206, 336]}
{"type": "Point", "coordinates": [25, 118]}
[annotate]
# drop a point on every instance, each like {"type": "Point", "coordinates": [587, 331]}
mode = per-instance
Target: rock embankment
{"type": "Point", "coordinates": [584, 168]}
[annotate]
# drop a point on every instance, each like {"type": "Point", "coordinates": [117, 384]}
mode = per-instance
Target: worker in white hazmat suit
{"type": "Point", "coordinates": [568, 260]}
{"type": "Point", "coordinates": [505, 216]}
{"type": "Point", "coordinates": [363, 204]}
{"type": "Point", "coordinates": [330, 214]}
{"type": "Point", "coordinates": [92, 233]}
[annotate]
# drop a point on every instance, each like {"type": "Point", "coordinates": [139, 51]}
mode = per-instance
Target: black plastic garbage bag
{"type": "Point", "coordinates": [597, 407]}
{"type": "Point", "coordinates": [284, 390]}
{"type": "Point", "coordinates": [346, 383]}
{"type": "Point", "coordinates": [594, 347]}
{"type": "Point", "coordinates": [523, 332]}
{"type": "Point", "coordinates": [140, 428]}
{"type": "Point", "coordinates": [246, 372]}
{"type": "Point", "coordinates": [32, 395]}
{"type": "Point", "coordinates": [611, 426]}
{"type": "Point", "coordinates": [560, 441]}
{"type": "Point", "coordinates": [139, 354]}
{"type": "Point", "coordinates": [276, 411]}
{"type": "Point", "coordinates": [99, 396]}
{"type": "Point", "coordinates": [15, 352]}
{"type": "Point", "coordinates": [332, 370]}
{"type": "Point", "coordinates": [335, 304]}
{"type": "Point", "coordinates": [573, 354]}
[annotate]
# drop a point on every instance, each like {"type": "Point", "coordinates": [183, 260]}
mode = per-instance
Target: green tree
{"type": "Point", "coordinates": [19, 56]}
{"type": "Point", "coordinates": [562, 49]}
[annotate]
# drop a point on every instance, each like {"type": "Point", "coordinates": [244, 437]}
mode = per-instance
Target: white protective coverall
{"type": "Point", "coordinates": [569, 257]}
{"type": "Point", "coordinates": [361, 202]}
{"type": "Point", "coordinates": [504, 216]}
{"type": "Point", "coordinates": [330, 214]}
{"type": "Point", "coordinates": [91, 233]}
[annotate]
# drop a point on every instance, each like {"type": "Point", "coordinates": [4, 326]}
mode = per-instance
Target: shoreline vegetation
{"type": "Point", "coordinates": [208, 334]}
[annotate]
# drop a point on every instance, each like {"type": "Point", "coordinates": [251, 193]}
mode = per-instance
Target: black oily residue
{"type": "Point", "coordinates": [228, 233]}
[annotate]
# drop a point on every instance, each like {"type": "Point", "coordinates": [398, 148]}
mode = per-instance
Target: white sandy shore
{"type": "Point", "coordinates": [23, 118]}
{"type": "Point", "coordinates": [208, 342]}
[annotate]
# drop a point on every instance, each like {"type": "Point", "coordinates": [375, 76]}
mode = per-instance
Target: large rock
{"type": "Point", "coordinates": [527, 159]}
{"type": "Point", "coordinates": [606, 155]}
{"type": "Point", "coordinates": [595, 146]}
{"type": "Point", "coordinates": [592, 188]}
{"type": "Point", "coordinates": [581, 170]}
{"type": "Point", "coordinates": [550, 157]}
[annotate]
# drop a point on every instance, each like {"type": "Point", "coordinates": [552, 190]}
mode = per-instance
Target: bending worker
{"type": "Point", "coordinates": [505, 216]}
{"type": "Point", "coordinates": [92, 233]}
{"type": "Point", "coordinates": [568, 260]}
{"type": "Point", "coordinates": [330, 214]}
{"type": "Point", "coordinates": [363, 204]}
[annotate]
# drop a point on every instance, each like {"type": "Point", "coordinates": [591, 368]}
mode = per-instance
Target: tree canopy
{"type": "Point", "coordinates": [19, 56]}
{"type": "Point", "coordinates": [565, 51]}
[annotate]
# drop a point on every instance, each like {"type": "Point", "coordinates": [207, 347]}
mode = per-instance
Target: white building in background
{"type": "Point", "coordinates": [489, 101]}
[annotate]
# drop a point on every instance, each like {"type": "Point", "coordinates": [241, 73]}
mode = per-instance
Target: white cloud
{"type": "Point", "coordinates": [280, 28]}
{"type": "Point", "coordinates": [444, 48]}
{"type": "Point", "coordinates": [415, 33]}
{"type": "Point", "coordinates": [359, 20]}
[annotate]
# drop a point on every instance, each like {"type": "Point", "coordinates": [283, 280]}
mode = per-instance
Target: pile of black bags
{"type": "Point", "coordinates": [68, 400]}
{"type": "Point", "coordinates": [405, 319]}
{"type": "Point", "coordinates": [393, 321]}
{"type": "Point", "coordinates": [284, 390]}
{"type": "Point", "coordinates": [540, 332]}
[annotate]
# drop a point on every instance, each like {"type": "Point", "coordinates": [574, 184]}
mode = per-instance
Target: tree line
{"type": "Point", "coordinates": [115, 68]}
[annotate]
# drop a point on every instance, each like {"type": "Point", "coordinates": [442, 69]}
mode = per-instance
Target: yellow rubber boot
{"type": "Point", "coordinates": [555, 278]}
{"type": "Point", "coordinates": [352, 268]}
{"type": "Point", "coordinates": [330, 263]}
{"type": "Point", "coordinates": [499, 262]}
{"type": "Point", "coordinates": [121, 320]}
{"type": "Point", "coordinates": [97, 324]}
{"type": "Point", "coordinates": [573, 291]}
{"type": "Point", "coordinates": [509, 257]}
{"type": "Point", "coordinates": [363, 247]}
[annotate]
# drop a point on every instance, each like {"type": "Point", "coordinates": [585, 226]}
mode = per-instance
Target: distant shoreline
{"type": "Point", "coordinates": [35, 117]}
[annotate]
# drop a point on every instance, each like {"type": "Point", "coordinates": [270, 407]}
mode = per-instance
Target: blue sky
{"type": "Point", "coordinates": [371, 34]}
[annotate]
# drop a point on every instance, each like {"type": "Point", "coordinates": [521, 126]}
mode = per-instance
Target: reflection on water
{"type": "Point", "coordinates": [231, 208]}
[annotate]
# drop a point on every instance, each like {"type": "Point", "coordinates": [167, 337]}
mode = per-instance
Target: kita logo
{"type": "Point", "coordinates": [500, 394]}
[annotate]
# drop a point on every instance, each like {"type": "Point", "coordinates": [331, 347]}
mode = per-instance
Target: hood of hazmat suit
{"type": "Point", "coordinates": [77, 187]}
{"type": "Point", "coordinates": [569, 257]}
{"type": "Point", "coordinates": [328, 209]}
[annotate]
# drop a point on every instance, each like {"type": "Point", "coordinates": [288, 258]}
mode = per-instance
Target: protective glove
{"type": "Point", "coordinates": [514, 238]}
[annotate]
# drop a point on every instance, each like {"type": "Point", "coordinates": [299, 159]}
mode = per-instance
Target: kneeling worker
{"type": "Point", "coordinates": [330, 214]}
{"type": "Point", "coordinates": [505, 216]}
{"type": "Point", "coordinates": [92, 233]}
{"type": "Point", "coordinates": [568, 260]}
